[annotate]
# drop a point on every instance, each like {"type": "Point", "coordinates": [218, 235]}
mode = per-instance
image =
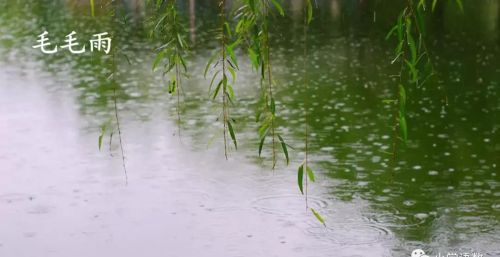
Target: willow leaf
{"type": "Point", "coordinates": [389, 34]}
{"type": "Point", "coordinates": [210, 61]}
{"type": "Point", "coordinates": [285, 149]}
{"type": "Point", "coordinates": [413, 47]}
{"type": "Point", "coordinates": [233, 73]}
{"type": "Point", "coordinates": [254, 58]}
{"type": "Point", "coordinates": [103, 131]}
{"type": "Point", "coordinates": [318, 217]}
{"type": "Point", "coordinates": [402, 99]}
{"type": "Point", "coordinates": [92, 9]}
{"type": "Point", "coordinates": [100, 142]}
{"type": "Point", "coordinates": [309, 11]}
{"type": "Point", "coordinates": [180, 41]}
{"type": "Point", "coordinates": [261, 144]}
{"type": "Point", "coordinates": [300, 178]}
{"type": "Point", "coordinates": [212, 81]}
{"type": "Point", "coordinates": [216, 92]}
{"type": "Point", "coordinates": [228, 29]}
{"type": "Point", "coordinates": [230, 92]}
{"type": "Point", "coordinates": [413, 71]}
{"type": "Point", "coordinates": [403, 127]}
{"type": "Point", "coordinates": [278, 7]}
{"type": "Point", "coordinates": [158, 59]}
{"type": "Point", "coordinates": [460, 5]}
{"type": "Point", "coordinates": [232, 56]}
{"type": "Point", "coordinates": [231, 132]}
{"type": "Point", "coordinates": [310, 174]}
{"type": "Point", "coordinates": [273, 106]}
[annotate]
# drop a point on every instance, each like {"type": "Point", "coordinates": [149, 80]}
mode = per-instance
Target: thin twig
{"type": "Point", "coordinates": [222, 4]}
{"type": "Point", "coordinates": [113, 52]}
{"type": "Point", "coordinates": [120, 135]}
{"type": "Point", "coordinates": [306, 102]}
{"type": "Point", "coordinates": [269, 77]}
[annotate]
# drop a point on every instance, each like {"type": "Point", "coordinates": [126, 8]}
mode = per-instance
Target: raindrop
{"type": "Point", "coordinates": [421, 216]}
{"type": "Point", "coordinates": [433, 173]}
{"type": "Point", "coordinates": [376, 159]}
{"type": "Point", "coordinates": [409, 202]}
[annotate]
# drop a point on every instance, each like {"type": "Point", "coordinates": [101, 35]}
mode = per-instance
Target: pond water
{"type": "Point", "coordinates": [61, 196]}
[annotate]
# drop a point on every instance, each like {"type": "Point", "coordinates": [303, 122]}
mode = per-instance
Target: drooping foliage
{"type": "Point", "coordinates": [250, 31]}
{"type": "Point", "coordinates": [253, 27]}
{"type": "Point", "coordinates": [224, 62]}
{"type": "Point", "coordinates": [171, 55]}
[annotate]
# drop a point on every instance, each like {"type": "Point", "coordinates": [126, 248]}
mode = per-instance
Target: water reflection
{"type": "Point", "coordinates": [441, 194]}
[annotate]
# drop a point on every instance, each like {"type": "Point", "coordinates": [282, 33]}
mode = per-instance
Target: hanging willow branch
{"type": "Point", "coordinates": [416, 64]}
{"type": "Point", "coordinates": [254, 29]}
{"type": "Point", "coordinates": [115, 85]}
{"type": "Point", "coordinates": [304, 166]}
{"type": "Point", "coordinates": [411, 56]}
{"type": "Point", "coordinates": [172, 52]}
{"type": "Point", "coordinates": [225, 59]}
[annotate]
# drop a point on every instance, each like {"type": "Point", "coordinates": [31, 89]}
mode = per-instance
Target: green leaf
{"type": "Point", "coordinates": [402, 99]}
{"type": "Point", "coordinates": [310, 174]}
{"type": "Point", "coordinates": [180, 41]}
{"type": "Point", "coordinates": [318, 217]}
{"type": "Point", "coordinates": [230, 50]}
{"type": "Point", "coordinates": [228, 29]}
{"type": "Point", "coordinates": [403, 127]}
{"type": "Point", "coordinates": [309, 11]}
{"type": "Point", "coordinates": [233, 73]}
{"type": "Point", "coordinates": [434, 2]}
{"type": "Point", "coordinates": [224, 82]}
{"type": "Point", "coordinates": [394, 29]}
{"type": "Point", "coordinates": [103, 131]}
{"type": "Point", "coordinates": [257, 115]}
{"type": "Point", "coordinates": [158, 23]}
{"type": "Point", "coordinates": [273, 106]}
{"type": "Point", "coordinates": [212, 81]}
{"type": "Point", "coordinates": [172, 86]}
{"type": "Point", "coordinates": [158, 59]}
{"type": "Point", "coordinates": [421, 4]}
{"type": "Point", "coordinates": [210, 60]}
{"type": "Point", "coordinates": [180, 58]}
{"type": "Point", "coordinates": [285, 149]}
{"type": "Point", "coordinates": [264, 126]}
{"type": "Point", "coordinates": [261, 144]}
{"type": "Point", "coordinates": [460, 5]}
{"type": "Point", "coordinates": [92, 8]}
{"type": "Point", "coordinates": [300, 178]}
{"type": "Point", "coordinates": [230, 92]}
{"type": "Point", "coordinates": [411, 41]}
{"type": "Point", "coordinates": [231, 132]}
{"type": "Point", "coordinates": [254, 58]}
{"type": "Point", "coordinates": [241, 22]}
{"type": "Point", "coordinates": [252, 5]}
{"type": "Point", "coordinates": [420, 23]}
{"type": "Point", "coordinates": [217, 89]}
{"type": "Point", "coordinates": [413, 48]}
{"type": "Point", "coordinates": [413, 71]}
{"type": "Point", "coordinates": [100, 142]}
{"type": "Point", "coordinates": [399, 50]}
{"type": "Point", "coordinates": [278, 7]}
{"type": "Point", "coordinates": [400, 26]}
